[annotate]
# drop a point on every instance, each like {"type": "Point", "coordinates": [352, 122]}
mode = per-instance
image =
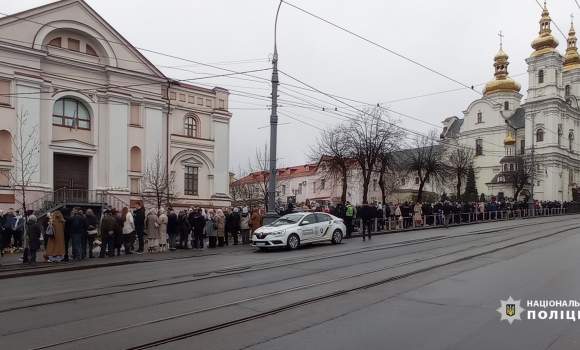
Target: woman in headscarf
{"type": "Point", "coordinates": [162, 230]}
{"type": "Point", "coordinates": [211, 228]}
{"type": "Point", "coordinates": [152, 225]}
{"type": "Point", "coordinates": [245, 226]}
{"type": "Point", "coordinates": [56, 249]}
{"type": "Point", "coordinates": [221, 227]}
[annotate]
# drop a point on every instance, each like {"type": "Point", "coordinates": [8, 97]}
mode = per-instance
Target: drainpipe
{"type": "Point", "coordinates": [168, 139]}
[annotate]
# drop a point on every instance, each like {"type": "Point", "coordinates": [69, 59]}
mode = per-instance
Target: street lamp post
{"type": "Point", "coordinates": [271, 215]}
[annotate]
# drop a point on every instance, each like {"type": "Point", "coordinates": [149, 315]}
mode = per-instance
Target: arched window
{"type": "Point", "coordinates": [540, 135]}
{"type": "Point", "coordinates": [571, 141]}
{"type": "Point", "coordinates": [136, 159]}
{"type": "Point", "coordinates": [560, 134]}
{"type": "Point", "coordinates": [506, 106]}
{"type": "Point", "coordinates": [5, 146]}
{"type": "Point", "coordinates": [567, 90]}
{"type": "Point", "coordinates": [71, 113]}
{"type": "Point", "coordinates": [190, 127]}
{"type": "Point", "coordinates": [541, 77]}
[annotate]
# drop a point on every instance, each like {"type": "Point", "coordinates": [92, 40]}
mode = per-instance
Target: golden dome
{"type": "Point", "coordinates": [501, 82]}
{"type": "Point", "coordinates": [509, 140]}
{"type": "Point", "coordinates": [572, 59]}
{"type": "Point", "coordinates": [545, 42]}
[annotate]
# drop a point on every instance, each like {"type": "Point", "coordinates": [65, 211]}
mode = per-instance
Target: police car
{"type": "Point", "coordinates": [293, 230]}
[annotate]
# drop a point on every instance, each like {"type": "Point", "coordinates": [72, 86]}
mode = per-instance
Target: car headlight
{"type": "Point", "coordinates": [279, 233]}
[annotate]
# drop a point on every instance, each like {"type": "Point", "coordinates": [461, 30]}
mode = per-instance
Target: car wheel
{"type": "Point", "coordinates": [336, 237]}
{"type": "Point", "coordinates": [293, 241]}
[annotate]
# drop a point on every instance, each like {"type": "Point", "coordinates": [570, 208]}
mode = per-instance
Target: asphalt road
{"type": "Point", "coordinates": [430, 289]}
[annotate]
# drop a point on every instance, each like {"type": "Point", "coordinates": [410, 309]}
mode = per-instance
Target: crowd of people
{"type": "Point", "coordinates": [126, 231]}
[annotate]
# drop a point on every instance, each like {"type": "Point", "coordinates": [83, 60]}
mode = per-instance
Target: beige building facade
{"type": "Point", "coordinates": [101, 112]}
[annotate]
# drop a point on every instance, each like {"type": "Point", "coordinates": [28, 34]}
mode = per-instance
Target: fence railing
{"type": "Point", "coordinates": [66, 196]}
{"type": "Point", "coordinates": [392, 223]}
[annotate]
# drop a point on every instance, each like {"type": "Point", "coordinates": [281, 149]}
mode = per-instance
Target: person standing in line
{"type": "Point", "coordinates": [211, 228]}
{"type": "Point", "coordinates": [108, 226]}
{"type": "Point", "coordinates": [162, 230]}
{"type": "Point", "coordinates": [140, 227]}
{"type": "Point", "coordinates": [68, 227]}
{"type": "Point", "coordinates": [184, 229]}
{"type": "Point", "coordinates": [257, 220]}
{"type": "Point", "coordinates": [92, 230]}
{"type": "Point", "coordinates": [152, 225]}
{"type": "Point", "coordinates": [7, 223]}
{"type": "Point", "coordinates": [17, 229]}
{"type": "Point", "coordinates": [447, 213]}
{"type": "Point", "coordinates": [197, 223]}
{"type": "Point", "coordinates": [128, 229]}
{"type": "Point", "coordinates": [227, 230]}
{"type": "Point", "coordinates": [235, 229]}
{"type": "Point", "coordinates": [348, 217]}
{"type": "Point", "coordinates": [79, 227]}
{"type": "Point", "coordinates": [221, 227]}
{"type": "Point", "coordinates": [418, 214]}
{"type": "Point", "coordinates": [118, 236]}
{"type": "Point", "coordinates": [34, 231]}
{"type": "Point", "coordinates": [245, 226]}
{"type": "Point", "coordinates": [172, 228]}
{"type": "Point", "coordinates": [366, 218]}
{"type": "Point", "coordinates": [55, 250]}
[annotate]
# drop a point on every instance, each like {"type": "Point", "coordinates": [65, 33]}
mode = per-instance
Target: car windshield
{"type": "Point", "coordinates": [287, 220]}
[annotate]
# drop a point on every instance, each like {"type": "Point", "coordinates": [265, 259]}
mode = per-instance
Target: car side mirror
{"type": "Point", "coordinates": [305, 223]}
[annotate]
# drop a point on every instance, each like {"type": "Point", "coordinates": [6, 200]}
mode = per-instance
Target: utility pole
{"type": "Point", "coordinates": [271, 215]}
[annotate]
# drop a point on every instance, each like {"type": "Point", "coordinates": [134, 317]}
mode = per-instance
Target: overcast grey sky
{"type": "Point", "coordinates": [456, 38]}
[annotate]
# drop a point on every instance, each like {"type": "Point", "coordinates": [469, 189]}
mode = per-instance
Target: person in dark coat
{"type": "Point", "coordinates": [34, 231]}
{"type": "Point", "coordinates": [228, 224]}
{"type": "Point", "coordinates": [118, 235]}
{"type": "Point", "coordinates": [183, 229]}
{"type": "Point", "coordinates": [107, 228]}
{"type": "Point", "coordinates": [93, 223]}
{"type": "Point", "coordinates": [365, 213]}
{"type": "Point", "coordinates": [79, 228]}
{"type": "Point", "coordinates": [406, 214]}
{"type": "Point", "coordinates": [197, 223]}
{"type": "Point", "coordinates": [427, 210]}
{"type": "Point", "coordinates": [235, 225]}
{"type": "Point", "coordinates": [140, 226]}
{"type": "Point", "coordinates": [172, 228]}
{"type": "Point", "coordinates": [7, 224]}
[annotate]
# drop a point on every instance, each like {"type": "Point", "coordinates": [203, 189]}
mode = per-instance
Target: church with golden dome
{"type": "Point", "coordinates": [527, 148]}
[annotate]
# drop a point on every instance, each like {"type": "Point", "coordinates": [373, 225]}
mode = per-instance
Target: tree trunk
{"type": "Point", "coordinates": [344, 184]}
{"type": "Point", "coordinates": [366, 183]}
{"type": "Point", "coordinates": [420, 193]}
{"type": "Point", "coordinates": [458, 194]}
{"type": "Point", "coordinates": [383, 189]}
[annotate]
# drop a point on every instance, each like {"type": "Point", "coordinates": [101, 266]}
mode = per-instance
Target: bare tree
{"type": "Point", "coordinates": [389, 178]}
{"type": "Point", "coordinates": [242, 191]}
{"type": "Point", "coordinates": [520, 176]}
{"type": "Point", "coordinates": [370, 136]}
{"type": "Point", "coordinates": [460, 159]}
{"type": "Point", "coordinates": [426, 161]}
{"type": "Point", "coordinates": [332, 149]}
{"type": "Point", "coordinates": [158, 187]}
{"type": "Point", "coordinates": [27, 159]}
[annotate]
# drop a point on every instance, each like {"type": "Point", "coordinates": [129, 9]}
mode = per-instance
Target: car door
{"type": "Point", "coordinates": [324, 226]}
{"type": "Point", "coordinates": [308, 231]}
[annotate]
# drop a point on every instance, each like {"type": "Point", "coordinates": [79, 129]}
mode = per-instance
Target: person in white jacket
{"type": "Point", "coordinates": [128, 229]}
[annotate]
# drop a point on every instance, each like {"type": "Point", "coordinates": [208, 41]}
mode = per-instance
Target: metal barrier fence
{"type": "Point", "coordinates": [391, 223]}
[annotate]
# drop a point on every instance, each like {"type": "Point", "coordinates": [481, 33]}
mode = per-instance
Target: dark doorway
{"type": "Point", "coordinates": [72, 173]}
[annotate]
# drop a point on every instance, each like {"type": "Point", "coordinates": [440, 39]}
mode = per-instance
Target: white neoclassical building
{"type": "Point", "coordinates": [501, 128]}
{"type": "Point", "coordinates": [101, 112]}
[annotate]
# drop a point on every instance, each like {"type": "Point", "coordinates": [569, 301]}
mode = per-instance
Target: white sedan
{"type": "Point", "coordinates": [292, 230]}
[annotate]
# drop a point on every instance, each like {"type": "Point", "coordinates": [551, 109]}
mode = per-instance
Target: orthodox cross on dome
{"type": "Point", "coordinates": [500, 38]}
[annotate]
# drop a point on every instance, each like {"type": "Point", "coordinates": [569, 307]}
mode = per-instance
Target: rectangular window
{"type": "Point", "coordinates": [182, 97]}
{"type": "Point", "coordinates": [191, 181]}
{"type": "Point", "coordinates": [134, 186]}
{"type": "Point", "coordinates": [322, 184]}
{"type": "Point", "coordinates": [135, 109]}
{"type": "Point", "coordinates": [522, 146]}
{"type": "Point", "coordinates": [417, 181]}
{"type": "Point", "coordinates": [164, 92]}
{"type": "Point", "coordinates": [172, 95]}
{"type": "Point", "coordinates": [300, 188]}
{"type": "Point", "coordinates": [478, 147]}
{"type": "Point", "coordinates": [191, 99]}
{"type": "Point", "coordinates": [222, 104]}
{"type": "Point", "coordinates": [283, 190]}
{"type": "Point", "coordinates": [426, 179]}
{"type": "Point", "coordinates": [4, 92]}
{"type": "Point", "coordinates": [479, 117]}
{"type": "Point", "coordinates": [74, 44]}
{"type": "Point", "coordinates": [374, 184]}
{"type": "Point", "coordinates": [208, 103]}
{"type": "Point", "coordinates": [571, 176]}
{"type": "Point", "coordinates": [200, 101]}
{"type": "Point", "coordinates": [4, 178]}
{"type": "Point", "coordinates": [403, 181]}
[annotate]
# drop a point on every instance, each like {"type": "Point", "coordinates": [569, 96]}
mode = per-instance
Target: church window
{"type": "Point", "coordinates": [74, 44]}
{"type": "Point", "coordinates": [571, 142]}
{"type": "Point", "coordinates": [71, 113]}
{"type": "Point", "coordinates": [506, 106]}
{"type": "Point", "coordinates": [511, 167]}
{"type": "Point", "coordinates": [541, 77]}
{"type": "Point", "coordinates": [540, 135]}
{"type": "Point", "coordinates": [56, 42]}
{"type": "Point", "coordinates": [567, 90]}
{"type": "Point", "coordinates": [91, 51]}
{"type": "Point", "coordinates": [479, 117]}
{"type": "Point", "coordinates": [479, 147]}
{"type": "Point", "coordinates": [505, 167]}
{"type": "Point", "coordinates": [560, 133]}
{"type": "Point", "coordinates": [522, 146]}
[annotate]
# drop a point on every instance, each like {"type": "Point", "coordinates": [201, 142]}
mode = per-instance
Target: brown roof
{"type": "Point", "coordinates": [284, 173]}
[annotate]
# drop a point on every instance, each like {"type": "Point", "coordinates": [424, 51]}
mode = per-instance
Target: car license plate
{"type": "Point", "coordinates": [260, 244]}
